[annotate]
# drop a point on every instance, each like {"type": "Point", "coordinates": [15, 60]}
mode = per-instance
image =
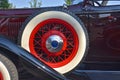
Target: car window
{"type": "Point", "coordinates": [77, 1]}
{"type": "Point", "coordinates": [110, 3]}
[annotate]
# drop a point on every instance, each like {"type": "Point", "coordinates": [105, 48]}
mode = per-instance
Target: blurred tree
{"type": "Point", "coordinates": [4, 4]}
{"type": "Point", "coordinates": [69, 2]}
{"type": "Point", "coordinates": [11, 6]}
{"type": "Point", "coordinates": [35, 3]}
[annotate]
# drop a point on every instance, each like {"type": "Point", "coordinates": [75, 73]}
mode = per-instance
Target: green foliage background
{"type": "Point", "coordinates": [69, 2]}
{"type": "Point", "coordinates": [4, 4]}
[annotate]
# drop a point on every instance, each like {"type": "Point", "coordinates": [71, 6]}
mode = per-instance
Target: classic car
{"type": "Point", "coordinates": [51, 42]}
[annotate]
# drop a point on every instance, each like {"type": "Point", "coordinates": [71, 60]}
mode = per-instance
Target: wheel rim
{"type": "Point", "coordinates": [54, 41]}
{"type": "Point", "coordinates": [1, 76]}
{"type": "Point", "coordinates": [4, 73]}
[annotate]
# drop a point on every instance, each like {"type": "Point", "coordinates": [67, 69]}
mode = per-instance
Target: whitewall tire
{"type": "Point", "coordinates": [57, 37]}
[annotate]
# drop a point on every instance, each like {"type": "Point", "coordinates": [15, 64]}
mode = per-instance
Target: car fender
{"type": "Point", "coordinates": [39, 67]}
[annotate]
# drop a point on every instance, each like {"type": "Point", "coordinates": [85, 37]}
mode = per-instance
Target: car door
{"type": "Point", "coordinates": [104, 32]}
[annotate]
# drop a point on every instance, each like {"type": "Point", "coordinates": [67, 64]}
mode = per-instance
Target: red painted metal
{"type": "Point", "coordinates": [1, 77]}
{"type": "Point", "coordinates": [54, 27]}
{"type": "Point", "coordinates": [46, 36]}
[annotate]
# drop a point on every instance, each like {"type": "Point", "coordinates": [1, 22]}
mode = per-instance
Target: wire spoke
{"type": "Point", "coordinates": [69, 37]}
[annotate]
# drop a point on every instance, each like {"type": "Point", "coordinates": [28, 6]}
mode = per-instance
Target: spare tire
{"type": "Point", "coordinates": [56, 37]}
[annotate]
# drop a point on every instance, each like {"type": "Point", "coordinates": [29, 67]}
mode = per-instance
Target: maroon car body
{"type": "Point", "coordinates": [102, 23]}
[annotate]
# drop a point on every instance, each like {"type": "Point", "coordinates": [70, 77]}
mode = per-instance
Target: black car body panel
{"type": "Point", "coordinates": [32, 63]}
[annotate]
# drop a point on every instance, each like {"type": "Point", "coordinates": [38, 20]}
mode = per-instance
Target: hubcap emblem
{"type": "Point", "coordinates": [54, 43]}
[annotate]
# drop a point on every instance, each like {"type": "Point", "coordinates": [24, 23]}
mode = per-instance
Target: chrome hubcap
{"type": "Point", "coordinates": [54, 43]}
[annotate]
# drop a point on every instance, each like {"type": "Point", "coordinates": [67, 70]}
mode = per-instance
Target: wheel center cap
{"type": "Point", "coordinates": [54, 43]}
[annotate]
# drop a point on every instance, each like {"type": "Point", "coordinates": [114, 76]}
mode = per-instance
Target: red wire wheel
{"type": "Point", "coordinates": [57, 28]}
{"type": "Point", "coordinates": [56, 37]}
{"type": "Point", "coordinates": [1, 77]}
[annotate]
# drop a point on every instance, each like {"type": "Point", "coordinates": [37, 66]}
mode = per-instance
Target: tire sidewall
{"type": "Point", "coordinates": [7, 69]}
{"type": "Point", "coordinates": [65, 15]}
{"type": "Point", "coordinates": [4, 71]}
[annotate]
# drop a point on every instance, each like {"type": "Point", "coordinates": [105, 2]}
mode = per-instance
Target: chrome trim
{"type": "Point", "coordinates": [54, 43]}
